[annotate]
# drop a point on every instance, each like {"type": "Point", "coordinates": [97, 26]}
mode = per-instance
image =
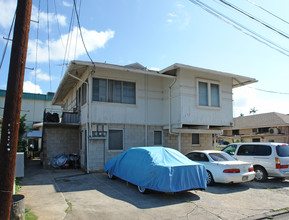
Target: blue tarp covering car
{"type": "Point", "coordinates": [158, 168]}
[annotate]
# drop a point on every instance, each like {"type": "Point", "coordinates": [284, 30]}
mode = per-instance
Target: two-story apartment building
{"type": "Point", "coordinates": [266, 127]}
{"type": "Point", "coordinates": [119, 107]}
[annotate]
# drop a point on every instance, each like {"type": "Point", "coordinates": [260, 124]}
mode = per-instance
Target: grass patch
{"type": "Point", "coordinates": [278, 210]}
{"type": "Point", "coordinates": [17, 184]}
{"type": "Point", "coordinates": [30, 215]}
{"type": "Point", "coordinates": [69, 208]}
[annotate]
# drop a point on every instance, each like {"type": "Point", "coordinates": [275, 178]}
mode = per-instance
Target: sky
{"type": "Point", "coordinates": [157, 34]}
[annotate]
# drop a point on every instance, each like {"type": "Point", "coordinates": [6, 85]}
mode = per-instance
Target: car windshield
{"type": "Point", "coordinates": [221, 157]}
{"type": "Point", "coordinates": [283, 150]}
{"type": "Point", "coordinates": [230, 149]}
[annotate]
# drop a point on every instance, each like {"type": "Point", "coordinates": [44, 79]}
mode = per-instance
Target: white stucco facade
{"type": "Point", "coordinates": [166, 103]}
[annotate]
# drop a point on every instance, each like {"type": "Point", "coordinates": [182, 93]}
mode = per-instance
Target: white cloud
{"type": "Point", "coordinates": [7, 10]}
{"type": "Point", "coordinates": [155, 68]}
{"type": "Point", "coordinates": [31, 87]}
{"type": "Point", "coordinates": [247, 97]}
{"type": "Point", "coordinates": [41, 76]}
{"type": "Point", "coordinates": [93, 40]}
{"type": "Point", "coordinates": [180, 17]}
{"type": "Point", "coordinates": [52, 18]}
{"type": "Point", "coordinates": [66, 4]}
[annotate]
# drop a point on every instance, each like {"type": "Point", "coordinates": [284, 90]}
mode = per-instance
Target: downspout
{"type": "Point", "coordinates": [87, 120]}
{"type": "Point", "coordinates": [146, 110]}
{"type": "Point", "coordinates": [170, 116]}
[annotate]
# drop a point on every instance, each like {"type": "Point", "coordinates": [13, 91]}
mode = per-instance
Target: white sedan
{"type": "Point", "coordinates": [223, 168]}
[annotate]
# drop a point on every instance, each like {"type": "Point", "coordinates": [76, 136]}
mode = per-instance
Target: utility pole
{"type": "Point", "coordinates": [10, 124]}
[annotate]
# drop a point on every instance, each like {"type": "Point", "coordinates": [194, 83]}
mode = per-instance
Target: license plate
{"type": "Point", "coordinates": [244, 178]}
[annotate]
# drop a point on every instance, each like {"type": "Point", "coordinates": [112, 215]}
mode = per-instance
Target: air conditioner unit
{"type": "Point", "coordinates": [273, 130]}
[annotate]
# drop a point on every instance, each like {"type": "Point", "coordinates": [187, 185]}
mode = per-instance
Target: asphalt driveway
{"type": "Point", "coordinates": [49, 193]}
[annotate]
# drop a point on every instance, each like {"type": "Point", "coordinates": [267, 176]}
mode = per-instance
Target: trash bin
{"type": "Point", "coordinates": [17, 208]}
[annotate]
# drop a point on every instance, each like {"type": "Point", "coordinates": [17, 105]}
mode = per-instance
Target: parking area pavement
{"type": "Point", "coordinates": [48, 193]}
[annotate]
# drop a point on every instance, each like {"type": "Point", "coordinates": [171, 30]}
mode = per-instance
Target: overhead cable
{"type": "Point", "coordinates": [276, 16]}
{"type": "Point", "coordinates": [255, 19]}
{"type": "Point", "coordinates": [10, 30]}
{"type": "Point", "coordinates": [48, 45]}
{"type": "Point", "coordinates": [58, 24]}
{"type": "Point", "coordinates": [80, 31]}
{"type": "Point", "coordinates": [241, 28]}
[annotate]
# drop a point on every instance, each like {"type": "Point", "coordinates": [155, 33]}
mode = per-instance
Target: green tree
{"type": "Point", "coordinates": [22, 131]}
{"type": "Point", "coordinates": [241, 115]}
{"type": "Point", "coordinates": [253, 111]}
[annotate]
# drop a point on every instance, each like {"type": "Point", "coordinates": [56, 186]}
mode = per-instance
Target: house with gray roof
{"type": "Point", "coordinates": [267, 127]}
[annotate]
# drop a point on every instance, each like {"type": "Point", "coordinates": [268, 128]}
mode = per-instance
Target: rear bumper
{"type": "Point", "coordinates": [279, 173]}
{"type": "Point", "coordinates": [235, 177]}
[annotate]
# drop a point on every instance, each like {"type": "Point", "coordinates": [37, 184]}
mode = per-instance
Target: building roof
{"type": "Point", "coordinates": [33, 96]}
{"type": "Point", "coordinates": [76, 69]}
{"type": "Point", "coordinates": [271, 119]}
{"type": "Point", "coordinates": [237, 80]}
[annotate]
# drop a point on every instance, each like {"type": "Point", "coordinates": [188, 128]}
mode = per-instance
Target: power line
{"type": "Point", "coordinates": [269, 91]}
{"type": "Point", "coordinates": [241, 28]}
{"type": "Point", "coordinates": [254, 18]}
{"type": "Point", "coordinates": [5, 49]}
{"type": "Point", "coordinates": [276, 16]}
{"type": "Point", "coordinates": [48, 46]}
{"type": "Point", "coordinates": [79, 26]}
{"type": "Point", "coordinates": [58, 23]}
{"type": "Point", "coordinates": [67, 41]}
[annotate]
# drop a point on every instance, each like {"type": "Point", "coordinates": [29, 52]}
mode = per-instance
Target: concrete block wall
{"type": "Point", "coordinates": [58, 140]}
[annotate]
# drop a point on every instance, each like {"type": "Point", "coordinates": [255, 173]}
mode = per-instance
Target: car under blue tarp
{"type": "Point", "coordinates": [158, 168]}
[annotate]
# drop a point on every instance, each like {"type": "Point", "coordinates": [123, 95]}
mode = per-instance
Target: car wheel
{"type": "Point", "coordinates": [261, 174]}
{"type": "Point", "coordinates": [142, 189]}
{"type": "Point", "coordinates": [110, 175]}
{"type": "Point", "coordinates": [210, 179]}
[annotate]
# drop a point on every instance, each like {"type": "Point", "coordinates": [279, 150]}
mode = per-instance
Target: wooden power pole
{"type": "Point", "coordinates": [10, 124]}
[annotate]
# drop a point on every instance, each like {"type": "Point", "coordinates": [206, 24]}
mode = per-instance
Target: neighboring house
{"type": "Point", "coordinates": [267, 127]}
{"type": "Point", "coordinates": [33, 106]}
{"type": "Point", "coordinates": [112, 108]}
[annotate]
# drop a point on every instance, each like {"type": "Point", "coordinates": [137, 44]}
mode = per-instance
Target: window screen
{"type": "Point", "coordinates": [157, 138]}
{"type": "Point", "coordinates": [115, 139]}
{"type": "Point", "coordinates": [195, 139]}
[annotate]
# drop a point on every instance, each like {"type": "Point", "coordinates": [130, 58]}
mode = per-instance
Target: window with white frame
{"type": "Point", "coordinates": [115, 140]}
{"type": "Point", "coordinates": [195, 139]}
{"type": "Point", "coordinates": [158, 138]}
{"type": "Point", "coordinates": [208, 94]}
{"type": "Point", "coordinates": [106, 90]}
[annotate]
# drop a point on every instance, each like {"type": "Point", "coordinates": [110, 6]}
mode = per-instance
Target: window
{"type": "Point", "coordinates": [197, 156]}
{"type": "Point", "coordinates": [209, 94]}
{"type": "Point", "coordinates": [255, 139]}
{"type": "Point", "coordinates": [230, 149]}
{"type": "Point", "coordinates": [254, 150]}
{"type": "Point", "coordinates": [195, 139]}
{"type": "Point", "coordinates": [236, 132]}
{"type": "Point", "coordinates": [158, 138]}
{"type": "Point", "coordinates": [83, 93]}
{"type": "Point", "coordinates": [115, 91]}
{"type": "Point", "coordinates": [115, 140]}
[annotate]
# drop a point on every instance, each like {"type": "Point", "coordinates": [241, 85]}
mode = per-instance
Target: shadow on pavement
{"type": "Point", "coordinates": [121, 190]}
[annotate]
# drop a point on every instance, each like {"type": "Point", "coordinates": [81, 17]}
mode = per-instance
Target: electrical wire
{"type": "Point", "coordinates": [58, 26]}
{"type": "Point", "coordinates": [270, 91]}
{"type": "Point", "coordinates": [241, 28]}
{"type": "Point", "coordinates": [79, 26]}
{"type": "Point", "coordinates": [276, 16]}
{"type": "Point", "coordinates": [48, 45]}
{"type": "Point", "coordinates": [77, 32]}
{"type": "Point", "coordinates": [254, 18]}
{"type": "Point", "coordinates": [68, 38]}
{"type": "Point", "coordinates": [10, 30]}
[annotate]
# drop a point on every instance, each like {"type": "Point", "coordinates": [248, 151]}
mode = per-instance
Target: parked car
{"type": "Point", "coordinates": [269, 159]}
{"type": "Point", "coordinates": [222, 168]}
{"type": "Point", "coordinates": [157, 168]}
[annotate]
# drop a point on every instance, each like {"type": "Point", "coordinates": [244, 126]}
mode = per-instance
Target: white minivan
{"type": "Point", "coordinates": [268, 159]}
